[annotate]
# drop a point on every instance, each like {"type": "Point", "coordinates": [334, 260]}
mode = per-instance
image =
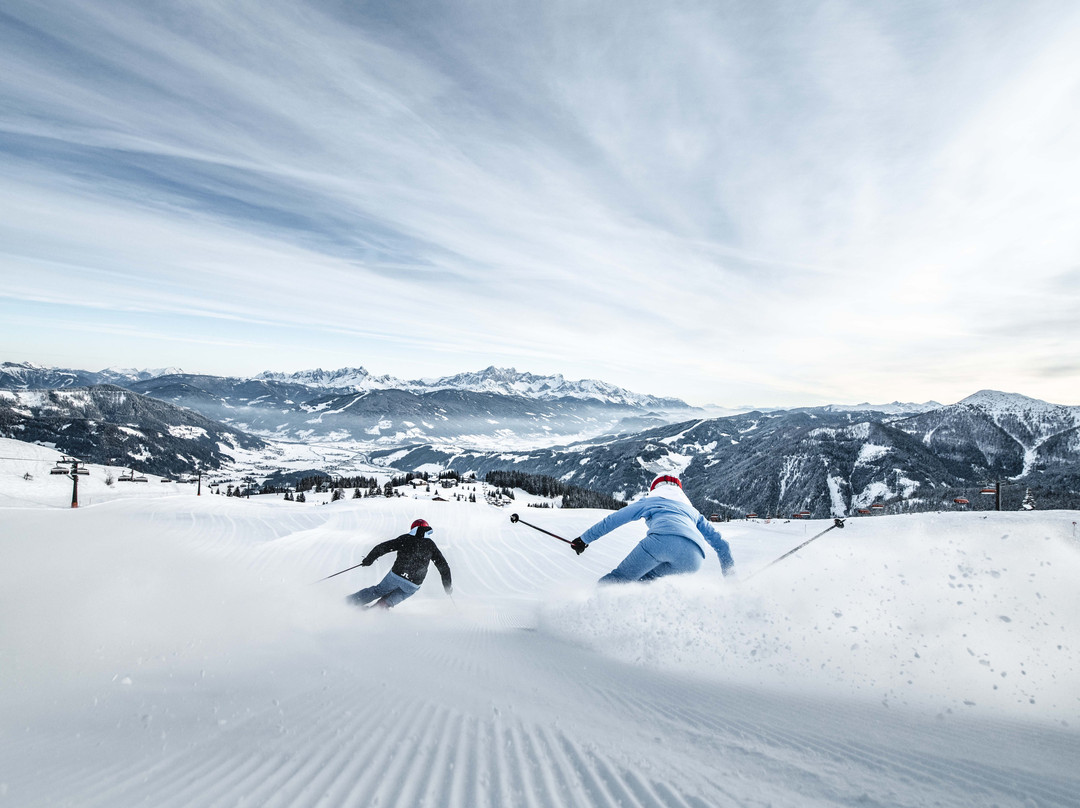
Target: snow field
{"type": "Point", "coordinates": [45, 490]}
{"type": "Point", "coordinates": [940, 612]}
{"type": "Point", "coordinates": [174, 651]}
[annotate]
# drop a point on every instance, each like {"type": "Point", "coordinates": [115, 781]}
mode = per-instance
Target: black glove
{"type": "Point", "coordinates": [578, 545]}
{"type": "Point", "coordinates": [367, 562]}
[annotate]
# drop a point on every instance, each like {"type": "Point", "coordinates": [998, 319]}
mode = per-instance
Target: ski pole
{"type": "Point", "coordinates": [515, 519]}
{"type": "Point", "coordinates": [837, 522]}
{"type": "Point", "coordinates": [328, 577]}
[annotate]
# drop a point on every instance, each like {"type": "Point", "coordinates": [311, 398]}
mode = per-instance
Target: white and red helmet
{"type": "Point", "coordinates": [420, 527]}
{"type": "Point", "coordinates": [665, 479]}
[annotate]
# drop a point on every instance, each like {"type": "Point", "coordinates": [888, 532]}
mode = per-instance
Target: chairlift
{"type": "Point", "coordinates": [878, 505]}
{"type": "Point", "coordinates": [82, 471]}
{"type": "Point", "coordinates": [140, 480]}
{"type": "Point", "coordinates": [59, 470]}
{"type": "Point", "coordinates": [961, 501]}
{"type": "Point", "coordinates": [988, 490]}
{"type": "Point", "coordinates": [864, 511]}
{"type": "Point", "coordinates": [751, 516]}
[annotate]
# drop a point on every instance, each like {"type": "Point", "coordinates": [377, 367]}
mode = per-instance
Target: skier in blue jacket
{"type": "Point", "coordinates": [675, 542]}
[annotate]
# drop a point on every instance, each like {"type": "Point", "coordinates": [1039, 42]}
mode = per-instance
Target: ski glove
{"type": "Point", "coordinates": [367, 562]}
{"type": "Point", "coordinates": [578, 545]}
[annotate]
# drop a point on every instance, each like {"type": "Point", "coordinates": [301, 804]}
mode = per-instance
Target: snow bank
{"type": "Point", "coordinates": [943, 612]}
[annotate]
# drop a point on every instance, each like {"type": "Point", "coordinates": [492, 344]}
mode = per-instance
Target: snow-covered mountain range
{"type": "Point", "coordinates": [28, 376]}
{"type": "Point", "coordinates": [493, 407]}
{"type": "Point", "coordinates": [493, 380]}
{"type": "Point", "coordinates": [1013, 432]}
{"type": "Point", "coordinates": [501, 381]}
{"type": "Point", "coordinates": [114, 426]}
{"type": "Point", "coordinates": [822, 461]}
{"type": "Point", "coordinates": [833, 459]}
{"type": "Point", "coordinates": [348, 379]}
{"type": "Point", "coordinates": [893, 408]}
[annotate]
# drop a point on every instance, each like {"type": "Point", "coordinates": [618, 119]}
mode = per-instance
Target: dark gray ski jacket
{"type": "Point", "coordinates": [414, 553]}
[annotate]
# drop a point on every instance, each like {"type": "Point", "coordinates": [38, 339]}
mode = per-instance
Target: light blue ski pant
{"type": "Point", "coordinates": [656, 556]}
{"type": "Point", "coordinates": [392, 589]}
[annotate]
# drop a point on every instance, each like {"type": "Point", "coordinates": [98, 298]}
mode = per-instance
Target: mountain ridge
{"type": "Point", "coordinates": [113, 425]}
{"type": "Point", "coordinates": [492, 379]}
{"type": "Point", "coordinates": [782, 463]}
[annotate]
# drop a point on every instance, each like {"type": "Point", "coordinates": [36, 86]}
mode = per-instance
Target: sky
{"type": "Point", "coordinates": [736, 203]}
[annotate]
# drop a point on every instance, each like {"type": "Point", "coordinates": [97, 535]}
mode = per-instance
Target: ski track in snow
{"type": "Point", "coordinates": [192, 662]}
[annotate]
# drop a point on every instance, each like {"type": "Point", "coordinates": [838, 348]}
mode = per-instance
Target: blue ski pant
{"type": "Point", "coordinates": [392, 590]}
{"type": "Point", "coordinates": [656, 556]}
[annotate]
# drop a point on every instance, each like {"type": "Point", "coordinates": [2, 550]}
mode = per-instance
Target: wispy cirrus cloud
{"type": "Point", "coordinates": [732, 203]}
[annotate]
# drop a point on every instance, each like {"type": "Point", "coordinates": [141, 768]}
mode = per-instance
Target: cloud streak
{"type": "Point", "coordinates": [718, 202]}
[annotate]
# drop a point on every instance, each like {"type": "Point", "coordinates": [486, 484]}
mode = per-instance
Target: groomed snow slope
{"type": "Point", "coordinates": [172, 651]}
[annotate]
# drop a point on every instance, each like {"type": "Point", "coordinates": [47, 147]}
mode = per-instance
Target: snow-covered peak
{"type": "Point", "coordinates": [894, 408]}
{"type": "Point", "coordinates": [1019, 414]}
{"type": "Point", "coordinates": [510, 381]}
{"type": "Point", "coordinates": [21, 366]}
{"type": "Point", "coordinates": [997, 403]}
{"type": "Point", "coordinates": [997, 400]}
{"type": "Point", "coordinates": [341, 379]}
{"type": "Point", "coordinates": [503, 381]}
{"type": "Point", "coordinates": [28, 376]}
{"type": "Point", "coordinates": [140, 374]}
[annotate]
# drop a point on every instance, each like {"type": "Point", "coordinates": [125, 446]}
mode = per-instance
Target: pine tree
{"type": "Point", "coordinates": [300, 497]}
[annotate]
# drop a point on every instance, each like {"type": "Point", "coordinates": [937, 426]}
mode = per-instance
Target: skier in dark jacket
{"type": "Point", "coordinates": [414, 552]}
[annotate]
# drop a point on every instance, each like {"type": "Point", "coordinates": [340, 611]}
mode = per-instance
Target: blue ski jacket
{"type": "Point", "coordinates": [667, 517]}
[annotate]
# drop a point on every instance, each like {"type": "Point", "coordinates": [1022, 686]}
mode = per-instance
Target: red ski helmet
{"type": "Point", "coordinates": [419, 526]}
{"type": "Point", "coordinates": [665, 478]}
